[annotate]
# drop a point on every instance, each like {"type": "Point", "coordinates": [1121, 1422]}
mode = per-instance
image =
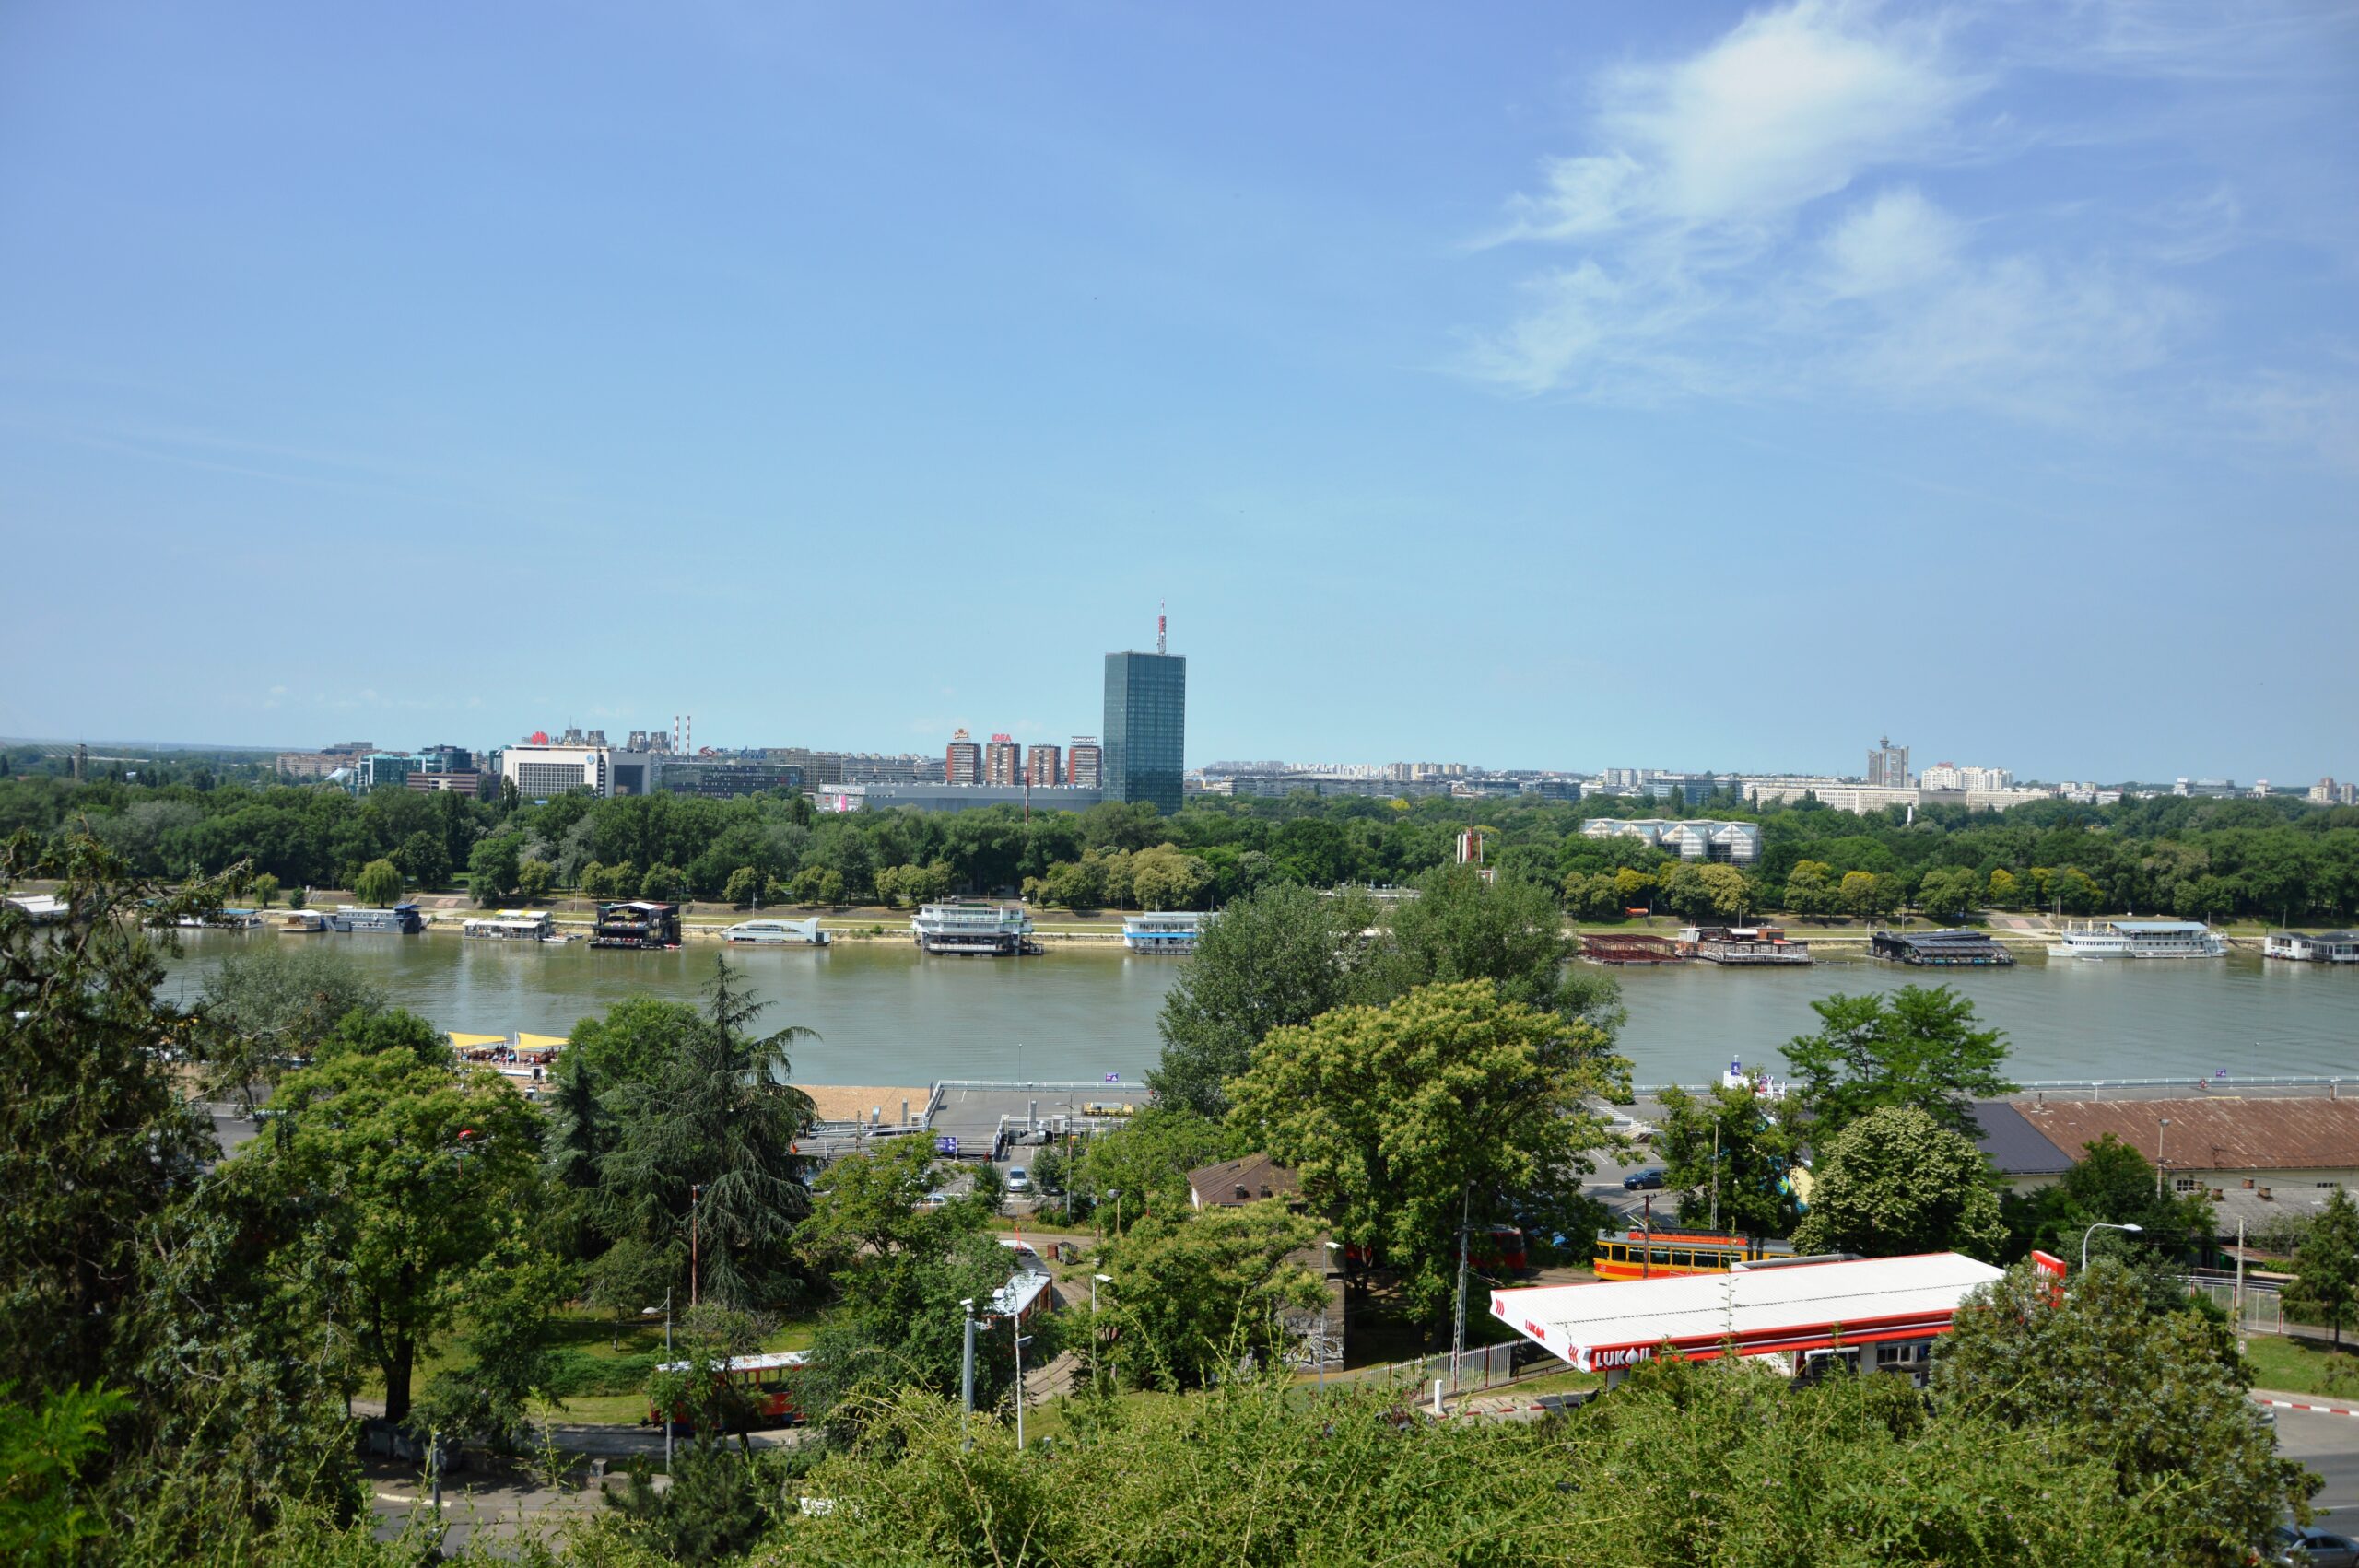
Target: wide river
{"type": "Point", "coordinates": [887, 1015]}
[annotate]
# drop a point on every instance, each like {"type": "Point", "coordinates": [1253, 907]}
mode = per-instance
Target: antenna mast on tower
{"type": "Point", "coordinates": [1158, 626]}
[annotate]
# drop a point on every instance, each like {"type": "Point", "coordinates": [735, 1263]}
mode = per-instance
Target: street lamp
{"type": "Point", "coordinates": [1021, 1341]}
{"type": "Point", "coordinates": [967, 1375]}
{"type": "Point", "coordinates": [2093, 1230]}
{"type": "Point", "coordinates": [1116, 1194]}
{"type": "Point", "coordinates": [1096, 1280]}
{"type": "Point", "coordinates": [2158, 1156]}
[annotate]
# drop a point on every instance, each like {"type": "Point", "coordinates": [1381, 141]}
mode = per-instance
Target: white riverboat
{"type": "Point", "coordinates": [511, 925]}
{"type": "Point", "coordinates": [775, 933]}
{"type": "Point", "coordinates": [1165, 931]}
{"type": "Point", "coordinates": [2139, 939]}
{"type": "Point", "coordinates": [967, 928]}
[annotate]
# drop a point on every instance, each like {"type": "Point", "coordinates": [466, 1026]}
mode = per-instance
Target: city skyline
{"type": "Point", "coordinates": [1410, 360]}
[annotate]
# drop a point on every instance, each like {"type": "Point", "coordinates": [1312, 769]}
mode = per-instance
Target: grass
{"type": "Point", "coordinates": [2304, 1366]}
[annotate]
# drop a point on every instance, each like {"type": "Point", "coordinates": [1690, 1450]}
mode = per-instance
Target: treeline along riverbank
{"type": "Point", "coordinates": [2276, 861]}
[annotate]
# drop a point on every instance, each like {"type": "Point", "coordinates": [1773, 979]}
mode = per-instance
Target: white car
{"type": "Point", "coordinates": [1018, 1179]}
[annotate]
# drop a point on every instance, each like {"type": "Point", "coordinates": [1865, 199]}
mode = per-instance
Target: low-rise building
{"type": "Point", "coordinates": [1232, 1184]}
{"type": "Point", "coordinates": [2255, 1157]}
{"type": "Point", "coordinates": [2312, 947]}
{"type": "Point", "coordinates": [1695, 838]}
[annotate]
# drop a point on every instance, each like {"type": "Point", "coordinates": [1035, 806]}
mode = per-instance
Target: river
{"type": "Point", "coordinates": [887, 1015]}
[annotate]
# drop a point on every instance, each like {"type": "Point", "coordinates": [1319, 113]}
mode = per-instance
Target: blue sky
{"type": "Point", "coordinates": [1671, 386]}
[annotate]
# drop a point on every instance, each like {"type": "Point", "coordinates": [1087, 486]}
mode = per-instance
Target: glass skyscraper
{"type": "Point", "coordinates": [1146, 728]}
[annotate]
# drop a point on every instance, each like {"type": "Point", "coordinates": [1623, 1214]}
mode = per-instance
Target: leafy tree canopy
{"type": "Point", "coordinates": [1918, 1046]}
{"type": "Point", "coordinates": [1894, 1182]}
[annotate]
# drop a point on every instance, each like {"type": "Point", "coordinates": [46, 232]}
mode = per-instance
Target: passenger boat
{"type": "Point", "coordinates": [300, 922]}
{"type": "Point", "coordinates": [2306, 947]}
{"type": "Point", "coordinates": [402, 919]}
{"type": "Point", "coordinates": [511, 925]}
{"type": "Point", "coordinates": [772, 933]}
{"type": "Point", "coordinates": [2139, 939]}
{"type": "Point", "coordinates": [1170, 932]}
{"type": "Point", "coordinates": [972, 928]}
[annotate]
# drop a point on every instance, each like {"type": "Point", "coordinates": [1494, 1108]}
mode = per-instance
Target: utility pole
{"type": "Point", "coordinates": [2240, 1282]}
{"type": "Point", "coordinates": [2158, 1156]}
{"type": "Point", "coordinates": [1716, 1171]}
{"type": "Point", "coordinates": [1458, 1337]}
{"type": "Point", "coordinates": [667, 1361]}
{"type": "Point", "coordinates": [694, 1194]}
{"type": "Point", "coordinates": [966, 1375]}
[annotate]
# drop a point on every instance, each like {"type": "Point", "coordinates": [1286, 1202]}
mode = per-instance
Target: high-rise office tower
{"type": "Point", "coordinates": [1003, 761]}
{"type": "Point", "coordinates": [1146, 727]}
{"type": "Point", "coordinates": [1084, 763]}
{"type": "Point", "coordinates": [962, 762]}
{"type": "Point", "coordinates": [1888, 765]}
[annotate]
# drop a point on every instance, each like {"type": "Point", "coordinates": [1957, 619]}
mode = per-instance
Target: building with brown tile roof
{"type": "Point", "coordinates": [2249, 1155]}
{"type": "Point", "coordinates": [1231, 1183]}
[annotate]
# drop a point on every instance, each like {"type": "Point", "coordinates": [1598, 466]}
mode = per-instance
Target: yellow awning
{"type": "Point", "coordinates": [470, 1042]}
{"type": "Point", "coordinates": [539, 1042]}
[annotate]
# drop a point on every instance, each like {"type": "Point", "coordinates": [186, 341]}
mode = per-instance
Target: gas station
{"type": "Point", "coordinates": [1805, 1315]}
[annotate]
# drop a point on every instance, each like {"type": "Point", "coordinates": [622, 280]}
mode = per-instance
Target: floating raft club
{"type": "Point", "coordinates": [1940, 950]}
{"type": "Point", "coordinates": [1617, 947]}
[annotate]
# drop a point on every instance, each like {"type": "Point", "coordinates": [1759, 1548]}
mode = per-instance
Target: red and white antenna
{"type": "Point", "coordinates": [1158, 626]}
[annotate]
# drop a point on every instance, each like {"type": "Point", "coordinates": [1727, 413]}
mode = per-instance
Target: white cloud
{"type": "Point", "coordinates": [1895, 240]}
{"type": "Point", "coordinates": [1758, 219]}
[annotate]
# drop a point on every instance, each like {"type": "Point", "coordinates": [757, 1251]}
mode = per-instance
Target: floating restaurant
{"type": "Point", "coordinates": [971, 930]}
{"type": "Point", "coordinates": [1172, 932]}
{"type": "Point", "coordinates": [1633, 947]}
{"type": "Point", "coordinates": [1741, 946]}
{"type": "Point", "coordinates": [1956, 949]}
{"type": "Point", "coordinates": [639, 924]}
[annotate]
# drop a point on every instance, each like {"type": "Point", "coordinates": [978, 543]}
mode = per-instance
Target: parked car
{"type": "Point", "coordinates": [2323, 1549]}
{"type": "Point", "coordinates": [1018, 1179]}
{"type": "Point", "coordinates": [1647, 1180]}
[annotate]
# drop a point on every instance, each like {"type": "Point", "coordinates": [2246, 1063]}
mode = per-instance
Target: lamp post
{"type": "Point", "coordinates": [1116, 1194]}
{"type": "Point", "coordinates": [966, 1375]}
{"type": "Point", "coordinates": [1320, 1353]}
{"type": "Point", "coordinates": [2093, 1230]}
{"type": "Point", "coordinates": [696, 1197]}
{"type": "Point", "coordinates": [2158, 1154]}
{"type": "Point", "coordinates": [1096, 1280]}
{"type": "Point", "coordinates": [1021, 1341]}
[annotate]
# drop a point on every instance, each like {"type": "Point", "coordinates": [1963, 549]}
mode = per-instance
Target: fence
{"type": "Point", "coordinates": [2263, 1310]}
{"type": "Point", "coordinates": [1487, 1366]}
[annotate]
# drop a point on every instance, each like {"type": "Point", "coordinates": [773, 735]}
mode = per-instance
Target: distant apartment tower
{"type": "Point", "coordinates": [1146, 728]}
{"type": "Point", "coordinates": [1003, 762]}
{"type": "Point", "coordinates": [962, 762]}
{"type": "Point", "coordinates": [1084, 763]}
{"type": "Point", "coordinates": [1041, 766]}
{"type": "Point", "coordinates": [1888, 765]}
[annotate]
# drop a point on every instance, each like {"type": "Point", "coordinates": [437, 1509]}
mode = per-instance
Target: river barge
{"type": "Point", "coordinates": [1172, 932]}
{"type": "Point", "coordinates": [1630, 947]}
{"type": "Point", "coordinates": [1952, 949]}
{"type": "Point", "coordinates": [2308, 947]}
{"type": "Point", "coordinates": [974, 929]}
{"type": "Point", "coordinates": [511, 925]}
{"type": "Point", "coordinates": [639, 925]}
{"type": "Point", "coordinates": [1744, 947]}
{"type": "Point", "coordinates": [402, 919]}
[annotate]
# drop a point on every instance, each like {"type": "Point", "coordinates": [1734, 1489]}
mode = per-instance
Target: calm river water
{"type": "Point", "coordinates": [887, 1015]}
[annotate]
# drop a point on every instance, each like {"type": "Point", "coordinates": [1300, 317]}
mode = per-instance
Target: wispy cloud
{"type": "Point", "coordinates": [1839, 198]}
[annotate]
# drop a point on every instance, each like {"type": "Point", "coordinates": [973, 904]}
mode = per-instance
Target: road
{"type": "Point", "coordinates": [2328, 1446]}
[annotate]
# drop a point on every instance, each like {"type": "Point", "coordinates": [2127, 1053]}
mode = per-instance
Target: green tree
{"type": "Point", "coordinates": [506, 1307]}
{"type": "Point", "coordinates": [1730, 1158]}
{"type": "Point", "coordinates": [707, 1150]}
{"type": "Point", "coordinates": [1194, 1290]}
{"type": "Point", "coordinates": [380, 883]}
{"type": "Point", "coordinates": [270, 1007]}
{"type": "Point", "coordinates": [265, 888]}
{"type": "Point", "coordinates": [580, 1136]}
{"type": "Point", "coordinates": [990, 1190]}
{"type": "Point", "coordinates": [493, 867]}
{"type": "Point", "coordinates": [633, 1042]}
{"type": "Point", "coordinates": [2110, 1184]}
{"type": "Point", "coordinates": [413, 1166]}
{"type": "Point", "coordinates": [1918, 1046]}
{"type": "Point", "coordinates": [2325, 1265]}
{"type": "Point", "coordinates": [95, 1138]}
{"type": "Point", "coordinates": [1857, 895]}
{"type": "Point", "coordinates": [1403, 1119]}
{"type": "Point", "coordinates": [1167, 878]}
{"type": "Point", "coordinates": [806, 885]}
{"type": "Point", "coordinates": [1808, 889]}
{"type": "Point", "coordinates": [2159, 1397]}
{"type": "Point", "coordinates": [1147, 1160]}
{"type": "Point", "coordinates": [2006, 893]}
{"type": "Point", "coordinates": [1280, 955]}
{"type": "Point", "coordinates": [1461, 928]}
{"type": "Point", "coordinates": [745, 886]}
{"type": "Point", "coordinates": [47, 1502]}
{"type": "Point", "coordinates": [1949, 892]}
{"type": "Point", "coordinates": [1894, 1182]}
{"type": "Point", "coordinates": [533, 879]}
{"type": "Point", "coordinates": [424, 858]}
{"type": "Point", "coordinates": [663, 883]}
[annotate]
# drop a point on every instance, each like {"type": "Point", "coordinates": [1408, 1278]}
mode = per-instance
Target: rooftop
{"type": "Point", "coordinates": [2217, 1133]}
{"type": "Point", "coordinates": [1228, 1183]}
